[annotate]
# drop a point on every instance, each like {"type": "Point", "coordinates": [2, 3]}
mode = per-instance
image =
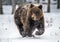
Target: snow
{"type": "Point", "coordinates": [7, 9]}
{"type": "Point", "coordinates": [53, 8]}
{"type": "Point", "coordinates": [9, 30]}
{"type": "Point", "coordinates": [7, 25]}
{"type": "Point", "coordinates": [10, 33]}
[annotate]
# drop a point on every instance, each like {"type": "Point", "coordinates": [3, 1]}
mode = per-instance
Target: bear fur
{"type": "Point", "coordinates": [28, 18]}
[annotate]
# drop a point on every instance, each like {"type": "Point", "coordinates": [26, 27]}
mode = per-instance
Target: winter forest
{"type": "Point", "coordinates": [8, 28]}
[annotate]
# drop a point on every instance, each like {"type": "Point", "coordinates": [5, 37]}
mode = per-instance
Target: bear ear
{"type": "Point", "coordinates": [40, 6]}
{"type": "Point", "coordinates": [31, 5]}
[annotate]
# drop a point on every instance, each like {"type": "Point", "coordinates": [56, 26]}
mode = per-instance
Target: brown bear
{"type": "Point", "coordinates": [28, 19]}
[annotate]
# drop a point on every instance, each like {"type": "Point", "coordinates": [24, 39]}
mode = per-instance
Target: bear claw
{"type": "Point", "coordinates": [38, 33]}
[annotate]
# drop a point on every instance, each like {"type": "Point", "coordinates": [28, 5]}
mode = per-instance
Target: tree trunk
{"type": "Point", "coordinates": [13, 6]}
{"type": "Point", "coordinates": [38, 1]}
{"type": "Point", "coordinates": [25, 1]}
{"type": "Point", "coordinates": [58, 4]}
{"type": "Point", "coordinates": [1, 11]}
{"type": "Point", "coordinates": [21, 2]}
{"type": "Point", "coordinates": [48, 6]}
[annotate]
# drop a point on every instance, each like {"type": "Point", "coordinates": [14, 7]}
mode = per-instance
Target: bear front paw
{"type": "Point", "coordinates": [39, 33]}
{"type": "Point", "coordinates": [24, 34]}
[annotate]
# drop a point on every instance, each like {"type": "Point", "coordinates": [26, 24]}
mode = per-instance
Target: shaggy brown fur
{"type": "Point", "coordinates": [27, 19]}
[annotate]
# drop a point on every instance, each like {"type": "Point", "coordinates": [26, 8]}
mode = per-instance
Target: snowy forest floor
{"type": "Point", "coordinates": [9, 31]}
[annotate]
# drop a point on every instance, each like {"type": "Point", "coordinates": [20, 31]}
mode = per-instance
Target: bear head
{"type": "Point", "coordinates": [35, 12]}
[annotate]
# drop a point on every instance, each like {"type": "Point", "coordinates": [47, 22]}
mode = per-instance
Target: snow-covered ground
{"type": "Point", "coordinates": [9, 30]}
{"type": "Point", "coordinates": [10, 33]}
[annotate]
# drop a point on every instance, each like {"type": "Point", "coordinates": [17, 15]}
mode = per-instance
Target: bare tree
{"type": "Point", "coordinates": [25, 1]}
{"type": "Point", "coordinates": [38, 1]}
{"type": "Point", "coordinates": [48, 6]}
{"type": "Point", "coordinates": [58, 4]}
{"type": "Point", "coordinates": [13, 6]}
{"type": "Point", "coordinates": [1, 11]}
{"type": "Point", "coordinates": [21, 2]}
